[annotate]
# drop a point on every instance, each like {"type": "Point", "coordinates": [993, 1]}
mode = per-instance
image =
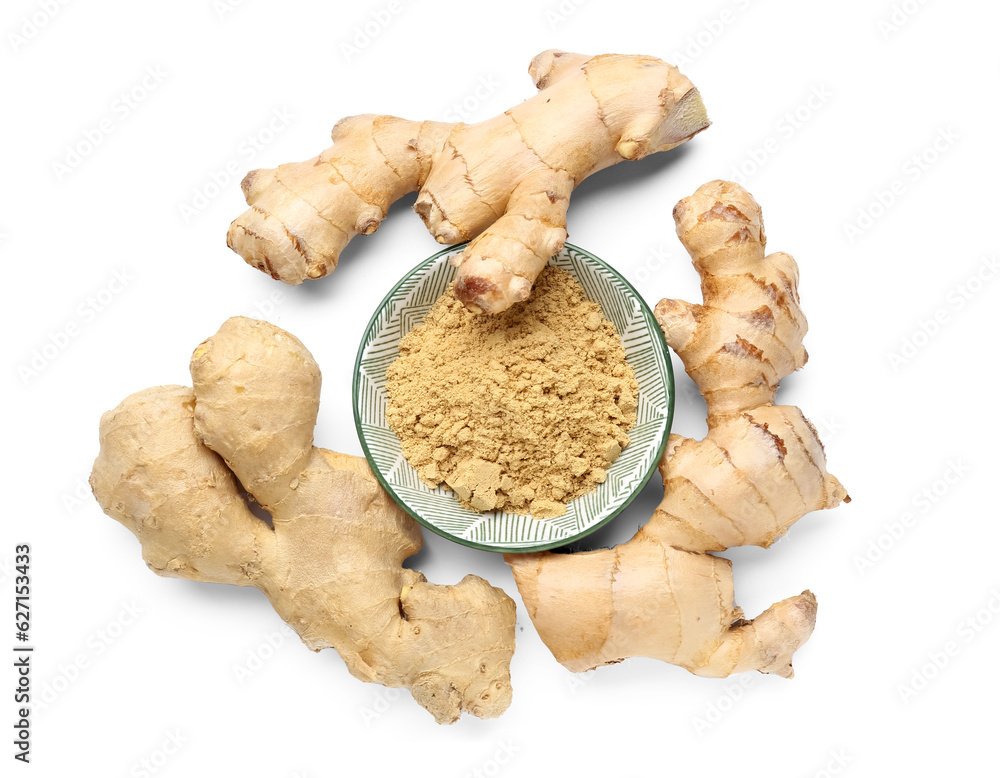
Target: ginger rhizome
{"type": "Point", "coordinates": [503, 184]}
{"type": "Point", "coordinates": [175, 464]}
{"type": "Point", "coordinates": [760, 468]}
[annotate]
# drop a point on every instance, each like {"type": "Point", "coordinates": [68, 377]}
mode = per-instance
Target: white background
{"type": "Point", "coordinates": [142, 674]}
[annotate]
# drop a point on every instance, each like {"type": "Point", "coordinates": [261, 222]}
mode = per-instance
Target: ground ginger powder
{"type": "Point", "coordinates": [519, 411]}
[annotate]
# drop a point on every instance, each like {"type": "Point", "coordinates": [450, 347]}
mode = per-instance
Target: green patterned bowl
{"type": "Point", "coordinates": [439, 510]}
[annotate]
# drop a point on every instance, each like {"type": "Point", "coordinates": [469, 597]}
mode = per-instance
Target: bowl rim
{"type": "Point", "coordinates": [641, 483]}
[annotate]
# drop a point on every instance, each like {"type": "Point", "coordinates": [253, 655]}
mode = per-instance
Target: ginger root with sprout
{"type": "Point", "coordinates": [760, 468]}
{"type": "Point", "coordinates": [503, 183]}
{"type": "Point", "coordinates": [172, 468]}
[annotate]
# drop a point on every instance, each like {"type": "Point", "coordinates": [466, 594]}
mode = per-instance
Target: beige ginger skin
{"type": "Point", "coordinates": [503, 184]}
{"type": "Point", "coordinates": [174, 463]}
{"type": "Point", "coordinates": [760, 468]}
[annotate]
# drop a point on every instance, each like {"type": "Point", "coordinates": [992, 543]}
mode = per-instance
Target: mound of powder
{"type": "Point", "coordinates": [519, 411]}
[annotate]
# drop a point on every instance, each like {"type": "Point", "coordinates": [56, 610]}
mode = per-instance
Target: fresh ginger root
{"type": "Point", "coordinates": [760, 468]}
{"type": "Point", "coordinates": [173, 466]}
{"type": "Point", "coordinates": [506, 180]}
